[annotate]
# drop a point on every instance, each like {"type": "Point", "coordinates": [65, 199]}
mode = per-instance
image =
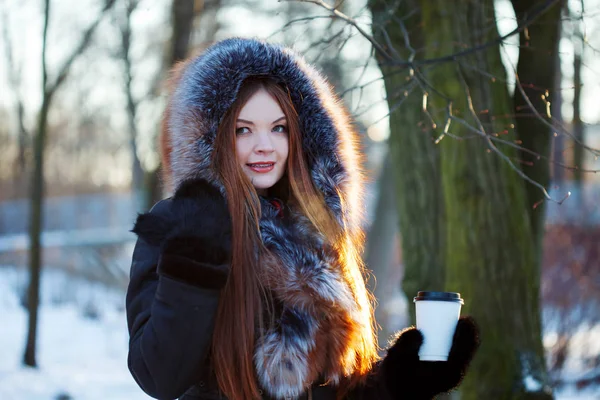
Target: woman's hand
{"type": "Point", "coordinates": [407, 377]}
{"type": "Point", "coordinates": [197, 226]}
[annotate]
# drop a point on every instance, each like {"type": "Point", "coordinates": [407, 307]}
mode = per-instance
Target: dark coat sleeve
{"type": "Point", "coordinates": [170, 321]}
{"type": "Point", "coordinates": [373, 388]}
{"type": "Point", "coordinates": [401, 375]}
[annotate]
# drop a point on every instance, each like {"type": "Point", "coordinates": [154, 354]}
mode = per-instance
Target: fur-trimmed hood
{"type": "Point", "coordinates": [206, 87]}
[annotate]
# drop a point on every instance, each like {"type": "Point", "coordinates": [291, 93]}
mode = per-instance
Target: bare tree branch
{"type": "Point", "coordinates": [85, 41]}
{"type": "Point", "coordinates": [298, 20]}
{"type": "Point", "coordinates": [556, 124]}
{"type": "Point", "coordinates": [492, 146]}
{"type": "Point", "coordinates": [392, 58]}
{"type": "Point", "coordinates": [45, 45]}
{"type": "Point", "coordinates": [452, 57]}
{"type": "Point", "coordinates": [352, 22]}
{"type": "Point", "coordinates": [14, 78]}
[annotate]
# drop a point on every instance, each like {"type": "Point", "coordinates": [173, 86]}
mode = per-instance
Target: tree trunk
{"type": "Point", "coordinates": [415, 158]}
{"type": "Point", "coordinates": [537, 72]}
{"type": "Point", "coordinates": [577, 124]}
{"type": "Point", "coordinates": [490, 241]}
{"type": "Point", "coordinates": [22, 164]}
{"type": "Point", "coordinates": [182, 20]}
{"type": "Point", "coordinates": [558, 141]}
{"type": "Point", "coordinates": [35, 230]}
{"type": "Point", "coordinates": [462, 207]}
{"type": "Point", "coordinates": [137, 172]}
{"type": "Point", "coordinates": [380, 246]}
{"type": "Point", "coordinates": [183, 23]}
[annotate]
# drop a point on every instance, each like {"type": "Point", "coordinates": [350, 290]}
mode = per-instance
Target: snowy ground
{"type": "Point", "coordinates": [82, 346]}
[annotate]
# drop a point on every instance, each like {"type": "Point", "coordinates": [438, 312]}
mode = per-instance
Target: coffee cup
{"type": "Point", "coordinates": [437, 315]}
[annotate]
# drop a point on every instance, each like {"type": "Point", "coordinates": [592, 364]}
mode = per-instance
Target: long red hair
{"type": "Point", "coordinates": [243, 300]}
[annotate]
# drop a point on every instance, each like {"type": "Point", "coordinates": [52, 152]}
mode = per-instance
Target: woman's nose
{"type": "Point", "coordinates": [264, 143]}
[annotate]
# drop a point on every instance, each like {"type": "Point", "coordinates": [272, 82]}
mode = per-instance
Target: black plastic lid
{"type": "Point", "coordinates": [439, 296]}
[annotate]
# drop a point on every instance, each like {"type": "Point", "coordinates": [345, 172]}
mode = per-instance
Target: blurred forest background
{"type": "Point", "coordinates": [481, 130]}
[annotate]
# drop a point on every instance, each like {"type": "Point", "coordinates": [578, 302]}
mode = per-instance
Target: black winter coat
{"type": "Point", "coordinates": [171, 322]}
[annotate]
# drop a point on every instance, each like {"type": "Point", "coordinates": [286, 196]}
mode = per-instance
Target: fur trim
{"type": "Point", "coordinates": [317, 309]}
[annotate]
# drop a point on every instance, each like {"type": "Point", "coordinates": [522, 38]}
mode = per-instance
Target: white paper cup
{"type": "Point", "coordinates": [437, 315]}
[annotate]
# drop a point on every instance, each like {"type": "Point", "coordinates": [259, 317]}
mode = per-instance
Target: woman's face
{"type": "Point", "coordinates": [262, 141]}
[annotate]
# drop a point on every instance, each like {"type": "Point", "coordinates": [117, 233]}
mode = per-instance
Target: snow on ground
{"type": "Point", "coordinates": [82, 343]}
{"type": "Point", "coordinates": [78, 355]}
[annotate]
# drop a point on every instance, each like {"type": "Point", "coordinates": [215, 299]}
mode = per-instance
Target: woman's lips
{"type": "Point", "coordinates": [261, 168]}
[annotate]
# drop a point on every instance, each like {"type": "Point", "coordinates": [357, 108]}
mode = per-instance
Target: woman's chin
{"type": "Point", "coordinates": [263, 186]}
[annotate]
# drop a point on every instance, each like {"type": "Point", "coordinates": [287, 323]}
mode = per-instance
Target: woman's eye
{"type": "Point", "coordinates": [242, 130]}
{"type": "Point", "coordinates": [280, 128]}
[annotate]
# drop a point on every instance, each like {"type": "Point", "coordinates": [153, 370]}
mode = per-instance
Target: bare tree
{"type": "Point", "coordinates": [536, 71]}
{"type": "Point", "coordinates": [137, 172]}
{"type": "Point", "coordinates": [182, 21]}
{"type": "Point", "coordinates": [14, 79]}
{"type": "Point", "coordinates": [184, 14]}
{"type": "Point", "coordinates": [578, 153]}
{"type": "Point", "coordinates": [49, 89]}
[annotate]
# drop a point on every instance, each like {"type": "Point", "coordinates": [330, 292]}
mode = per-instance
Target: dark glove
{"type": "Point", "coordinates": [196, 226]}
{"type": "Point", "coordinates": [407, 377]}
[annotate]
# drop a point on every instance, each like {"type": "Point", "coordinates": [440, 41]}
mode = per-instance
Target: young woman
{"type": "Point", "coordinates": [247, 283]}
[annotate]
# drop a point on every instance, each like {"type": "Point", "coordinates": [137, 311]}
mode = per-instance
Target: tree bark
{"type": "Point", "coordinates": [489, 235]}
{"type": "Point", "coordinates": [35, 230]}
{"type": "Point", "coordinates": [558, 141]}
{"type": "Point", "coordinates": [415, 157]}
{"type": "Point", "coordinates": [183, 23]}
{"type": "Point", "coordinates": [577, 124]}
{"type": "Point", "coordinates": [537, 71]}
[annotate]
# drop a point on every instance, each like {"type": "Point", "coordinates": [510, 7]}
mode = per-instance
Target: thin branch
{"type": "Point", "coordinates": [361, 76]}
{"type": "Point", "coordinates": [404, 91]}
{"type": "Point", "coordinates": [297, 20]}
{"type": "Point", "coordinates": [397, 105]}
{"type": "Point", "coordinates": [352, 22]}
{"type": "Point", "coordinates": [364, 85]}
{"type": "Point", "coordinates": [406, 36]}
{"type": "Point", "coordinates": [540, 156]}
{"type": "Point", "coordinates": [548, 124]}
{"type": "Point", "coordinates": [388, 42]}
{"type": "Point", "coordinates": [492, 146]}
{"type": "Point", "coordinates": [14, 78]}
{"type": "Point", "coordinates": [44, 45]}
{"type": "Point", "coordinates": [14, 73]}
{"type": "Point", "coordinates": [87, 37]}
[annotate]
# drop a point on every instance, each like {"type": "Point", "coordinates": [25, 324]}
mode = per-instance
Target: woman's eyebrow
{"type": "Point", "coordinates": [245, 121]}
